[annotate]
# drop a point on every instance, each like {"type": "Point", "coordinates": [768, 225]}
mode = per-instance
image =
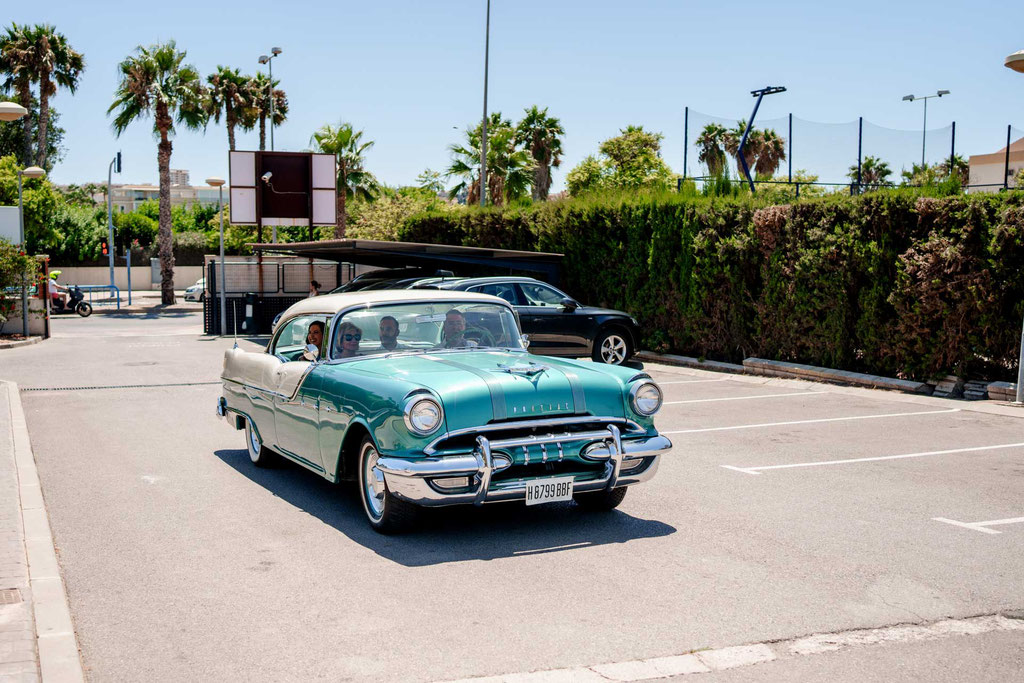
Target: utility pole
{"type": "Point", "coordinates": [115, 164]}
{"type": "Point", "coordinates": [483, 139]}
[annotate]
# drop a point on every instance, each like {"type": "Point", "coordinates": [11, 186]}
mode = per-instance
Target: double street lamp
{"type": "Point", "coordinates": [924, 127]}
{"type": "Point", "coordinates": [264, 59]}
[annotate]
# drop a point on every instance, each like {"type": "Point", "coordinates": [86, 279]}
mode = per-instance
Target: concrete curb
{"type": "Point", "coordinates": [23, 342]}
{"type": "Point", "coordinates": [59, 658]}
{"type": "Point", "coordinates": [689, 362]}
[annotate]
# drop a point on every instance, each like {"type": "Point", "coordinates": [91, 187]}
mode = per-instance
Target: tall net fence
{"type": "Point", "coordinates": [842, 155]}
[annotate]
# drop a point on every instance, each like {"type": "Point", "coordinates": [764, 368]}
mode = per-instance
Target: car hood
{"type": "Point", "coordinates": [477, 387]}
{"type": "Point", "coordinates": [594, 310]}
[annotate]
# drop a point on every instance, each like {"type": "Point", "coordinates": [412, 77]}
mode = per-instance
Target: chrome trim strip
{"type": "Point", "coordinates": [630, 425]}
{"type": "Point", "coordinates": [579, 397]}
{"type": "Point", "coordinates": [616, 460]}
{"type": "Point", "coordinates": [486, 467]}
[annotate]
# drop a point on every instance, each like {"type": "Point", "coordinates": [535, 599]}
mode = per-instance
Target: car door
{"type": "Point", "coordinates": [296, 392]}
{"type": "Point", "coordinates": [553, 330]}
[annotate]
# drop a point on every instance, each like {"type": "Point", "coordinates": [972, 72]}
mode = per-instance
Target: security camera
{"type": "Point", "coordinates": [267, 176]}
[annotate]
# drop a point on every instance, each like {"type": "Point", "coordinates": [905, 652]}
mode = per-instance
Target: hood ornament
{"type": "Point", "coordinates": [528, 368]}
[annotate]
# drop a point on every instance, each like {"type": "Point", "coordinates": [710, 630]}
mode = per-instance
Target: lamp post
{"type": "Point", "coordinates": [11, 111]}
{"type": "Point", "coordinates": [1016, 62]}
{"type": "Point", "coordinates": [264, 59]}
{"type": "Point", "coordinates": [30, 172]}
{"type": "Point", "coordinates": [219, 184]}
{"type": "Point", "coordinates": [483, 138]}
{"type": "Point", "coordinates": [759, 94]}
{"type": "Point", "coordinates": [924, 126]}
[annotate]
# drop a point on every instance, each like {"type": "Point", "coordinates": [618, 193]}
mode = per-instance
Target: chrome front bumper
{"type": "Point", "coordinates": [413, 480]}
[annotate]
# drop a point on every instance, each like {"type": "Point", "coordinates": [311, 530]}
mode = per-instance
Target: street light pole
{"type": "Point", "coordinates": [483, 139]}
{"type": "Point", "coordinates": [924, 126]}
{"type": "Point", "coordinates": [268, 60]}
{"type": "Point", "coordinates": [1016, 62]}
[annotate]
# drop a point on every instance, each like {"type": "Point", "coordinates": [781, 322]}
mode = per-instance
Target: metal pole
{"type": "Point", "coordinates": [790, 155]}
{"type": "Point", "coordinates": [686, 137]}
{"type": "Point", "coordinates": [1020, 369]}
{"type": "Point", "coordinates": [924, 128]}
{"type": "Point", "coordinates": [743, 141]}
{"type": "Point", "coordinates": [860, 146]}
{"type": "Point", "coordinates": [1006, 163]}
{"type": "Point", "coordinates": [483, 139]}
{"type": "Point", "coordinates": [110, 223]}
{"type": "Point", "coordinates": [270, 65]}
{"type": "Point", "coordinates": [952, 148]}
{"type": "Point", "coordinates": [128, 263]}
{"type": "Point", "coordinates": [24, 289]}
{"type": "Point", "coordinates": [221, 282]}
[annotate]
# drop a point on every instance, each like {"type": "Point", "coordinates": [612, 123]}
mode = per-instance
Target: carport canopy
{"type": "Point", "coordinates": [405, 254]}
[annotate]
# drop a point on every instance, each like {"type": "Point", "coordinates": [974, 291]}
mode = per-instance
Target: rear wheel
{"type": "Point", "coordinates": [386, 513]}
{"type": "Point", "coordinates": [612, 347]}
{"type": "Point", "coordinates": [601, 500]}
{"type": "Point", "coordinates": [260, 455]}
{"type": "Point", "coordinates": [84, 309]}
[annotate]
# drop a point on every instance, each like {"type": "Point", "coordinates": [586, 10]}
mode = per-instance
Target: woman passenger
{"type": "Point", "coordinates": [349, 337]}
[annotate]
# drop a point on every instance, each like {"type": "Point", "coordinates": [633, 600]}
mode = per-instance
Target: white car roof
{"type": "Point", "coordinates": [329, 304]}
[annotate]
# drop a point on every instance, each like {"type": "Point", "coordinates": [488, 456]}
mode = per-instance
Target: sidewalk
{"type": "Point", "coordinates": [144, 301]}
{"type": "Point", "coordinates": [37, 639]}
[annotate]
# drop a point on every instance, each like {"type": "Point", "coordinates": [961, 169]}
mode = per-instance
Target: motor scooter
{"type": "Point", "coordinates": [76, 303]}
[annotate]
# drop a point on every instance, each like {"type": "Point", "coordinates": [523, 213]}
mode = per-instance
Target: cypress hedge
{"type": "Point", "coordinates": [892, 282]}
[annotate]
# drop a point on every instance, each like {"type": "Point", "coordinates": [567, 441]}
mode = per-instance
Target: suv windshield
{"type": "Point", "coordinates": [424, 326]}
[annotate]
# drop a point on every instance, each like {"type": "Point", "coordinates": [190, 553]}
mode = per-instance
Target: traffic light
{"type": "Point", "coordinates": [104, 245]}
{"type": "Point", "coordinates": [117, 165]}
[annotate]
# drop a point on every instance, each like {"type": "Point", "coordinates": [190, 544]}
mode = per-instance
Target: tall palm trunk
{"type": "Point", "coordinates": [229, 119]}
{"type": "Point", "coordinates": [263, 131]}
{"type": "Point", "coordinates": [44, 119]}
{"type": "Point", "coordinates": [165, 237]}
{"type": "Point", "coordinates": [339, 228]}
{"type": "Point", "coordinates": [25, 95]}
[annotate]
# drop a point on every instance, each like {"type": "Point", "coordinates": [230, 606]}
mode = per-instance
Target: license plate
{"type": "Point", "coordinates": [548, 490]}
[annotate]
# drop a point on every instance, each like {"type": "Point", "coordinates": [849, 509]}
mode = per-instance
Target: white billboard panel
{"type": "Point", "coordinates": [325, 207]}
{"type": "Point", "coordinates": [243, 206]}
{"type": "Point", "coordinates": [325, 172]}
{"type": "Point", "coordinates": [242, 167]}
{"type": "Point", "coordinates": [9, 229]}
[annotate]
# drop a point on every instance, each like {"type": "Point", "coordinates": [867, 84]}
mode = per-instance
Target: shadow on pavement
{"type": "Point", "coordinates": [150, 314]}
{"type": "Point", "coordinates": [452, 534]}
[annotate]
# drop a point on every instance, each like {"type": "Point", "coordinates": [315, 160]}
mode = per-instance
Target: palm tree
{"type": "Point", "coordinates": [42, 55]}
{"type": "Point", "coordinates": [961, 169]}
{"type": "Point", "coordinates": [156, 82]}
{"type": "Point", "coordinates": [709, 142]}
{"type": "Point", "coordinates": [541, 134]}
{"type": "Point", "coordinates": [771, 152]}
{"type": "Point", "coordinates": [231, 95]}
{"type": "Point", "coordinates": [466, 165]}
{"type": "Point", "coordinates": [509, 169]}
{"type": "Point", "coordinates": [873, 171]}
{"type": "Point", "coordinates": [347, 145]}
{"type": "Point", "coordinates": [260, 99]}
{"type": "Point", "coordinates": [751, 149]}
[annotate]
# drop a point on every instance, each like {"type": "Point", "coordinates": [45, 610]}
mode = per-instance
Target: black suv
{"type": "Point", "coordinates": [557, 324]}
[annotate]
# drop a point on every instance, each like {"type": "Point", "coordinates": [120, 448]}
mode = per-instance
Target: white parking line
{"type": "Point", "coordinates": [694, 381]}
{"type": "Point", "coordinates": [805, 422]}
{"type": "Point", "coordinates": [757, 470]}
{"type": "Point", "coordinates": [981, 526]}
{"type": "Point", "coordinates": [744, 398]}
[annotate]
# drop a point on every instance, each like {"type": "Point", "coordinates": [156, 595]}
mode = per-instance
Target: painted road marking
{"type": "Point", "coordinates": [757, 470]}
{"type": "Point", "coordinates": [745, 398]}
{"type": "Point", "coordinates": [982, 526]}
{"type": "Point", "coordinates": [694, 381]}
{"type": "Point", "coordinates": [805, 422]}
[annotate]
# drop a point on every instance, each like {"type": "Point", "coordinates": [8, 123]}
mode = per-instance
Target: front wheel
{"type": "Point", "coordinates": [386, 513]}
{"type": "Point", "coordinates": [612, 347]}
{"type": "Point", "coordinates": [601, 500]}
{"type": "Point", "coordinates": [260, 455]}
{"type": "Point", "coordinates": [84, 309]}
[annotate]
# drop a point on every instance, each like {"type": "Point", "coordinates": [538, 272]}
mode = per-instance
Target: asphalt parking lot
{"type": "Point", "coordinates": [785, 509]}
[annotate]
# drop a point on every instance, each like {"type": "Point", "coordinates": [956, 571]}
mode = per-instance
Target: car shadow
{"type": "Point", "coordinates": [450, 534]}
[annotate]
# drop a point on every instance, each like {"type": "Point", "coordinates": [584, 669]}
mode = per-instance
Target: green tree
{"type": "Point", "coordinates": [709, 144]}
{"type": "Point", "coordinates": [12, 137]}
{"type": "Point", "coordinates": [873, 171]}
{"type": "Point", "coordinates": [16, 268]}
{"type": "Point", "coordinates": [731, 141]}
{"type": "Point", "coordinates": [38, 54]}
{"type": "Point", "coordinates": [431, 180]}
{"type": "Point", "coordinates": [587, 176]}
{"type": "Point", "coordinates": [960, 169]}
{"type": "Point", "coordinates": [541, 135]}
{"type": "Point", "coordinates": [771, 153]}
{"type": "Point", "coordinates": [261, 95]}
{"type": "Point", "coordinates": [40, 201]}
{"type": "Point", "coordinates": [156, 82]}
{"type": "Point", "coordinates": [354, 181]}
{"type": "Point", "coordinates": [231, 96]}
{"type": "Point", "coordinates": [509, 169]}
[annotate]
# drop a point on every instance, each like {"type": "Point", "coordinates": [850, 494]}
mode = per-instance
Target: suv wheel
{"type": "Point", "coordinates": [612, 347]}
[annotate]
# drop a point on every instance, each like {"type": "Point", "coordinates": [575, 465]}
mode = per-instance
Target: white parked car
{"type": "Point", "coordinates": [196, 292]}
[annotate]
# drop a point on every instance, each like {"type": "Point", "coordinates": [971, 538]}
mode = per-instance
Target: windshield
{"type": "Point", "coordinates": [424, 326]}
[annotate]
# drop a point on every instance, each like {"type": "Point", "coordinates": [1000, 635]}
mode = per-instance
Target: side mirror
{"type": "Point", "coordinates": [569, 305]}
{"type": "Point", "coordinates": [525, 338]}
{"type": "Point", "coordinates": [311, 352]}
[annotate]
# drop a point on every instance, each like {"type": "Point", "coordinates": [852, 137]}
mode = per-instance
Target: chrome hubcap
{"type": "Point", "coordinates": [373, 483]}
{"type": "Point", "coordinates": [254, 443]}
{"type": "Point", "coordinates": [613, 349]}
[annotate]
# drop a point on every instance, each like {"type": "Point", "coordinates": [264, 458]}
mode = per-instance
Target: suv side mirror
{"type": "Point", "coordinates": [311, 352]}
{"type": "Point", "coordinates": [569, 305]}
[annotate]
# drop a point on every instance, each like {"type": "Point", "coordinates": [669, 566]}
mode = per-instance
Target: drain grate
{"type": "Point", "coordinates": [121, 386]}
{"type": "Point", "coordinates": [10, 596]}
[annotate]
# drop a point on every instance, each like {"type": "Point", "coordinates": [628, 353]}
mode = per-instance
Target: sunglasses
{"type": "Point", "coordinates": [351, 337]}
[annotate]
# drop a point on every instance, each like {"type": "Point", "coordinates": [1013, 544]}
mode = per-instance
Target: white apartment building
{"type": "Point", "coordinates": [990, 169]}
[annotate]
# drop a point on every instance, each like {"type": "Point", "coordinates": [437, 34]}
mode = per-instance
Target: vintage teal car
{"type": "Point", "coordinates": [430, 398]}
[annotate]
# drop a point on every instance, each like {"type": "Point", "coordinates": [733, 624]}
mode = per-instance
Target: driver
{"type": "Point", "coordinates": [455, 330]}
{"type": "Point", "coordinates": [55, 292]}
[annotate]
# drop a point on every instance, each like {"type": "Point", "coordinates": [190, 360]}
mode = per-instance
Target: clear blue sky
{"type": "Point", "coordinates": [408, 71]}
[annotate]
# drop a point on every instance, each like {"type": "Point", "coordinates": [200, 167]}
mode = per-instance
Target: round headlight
{"type": "Point", "coordinates": [423, 416]}
{"type": "Point", "coordinates": [646, 398]}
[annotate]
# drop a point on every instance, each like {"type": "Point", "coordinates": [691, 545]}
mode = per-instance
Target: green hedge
{"type": "Point", "coordinates": [892, 282]}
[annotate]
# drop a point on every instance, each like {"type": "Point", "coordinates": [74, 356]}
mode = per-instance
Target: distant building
{"type": "Point", "coordinates": [179, 177]}
{"type": "Point", "coordinates": [991, 169]}
{"type": "Point", "coordinates": [126, 198]}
